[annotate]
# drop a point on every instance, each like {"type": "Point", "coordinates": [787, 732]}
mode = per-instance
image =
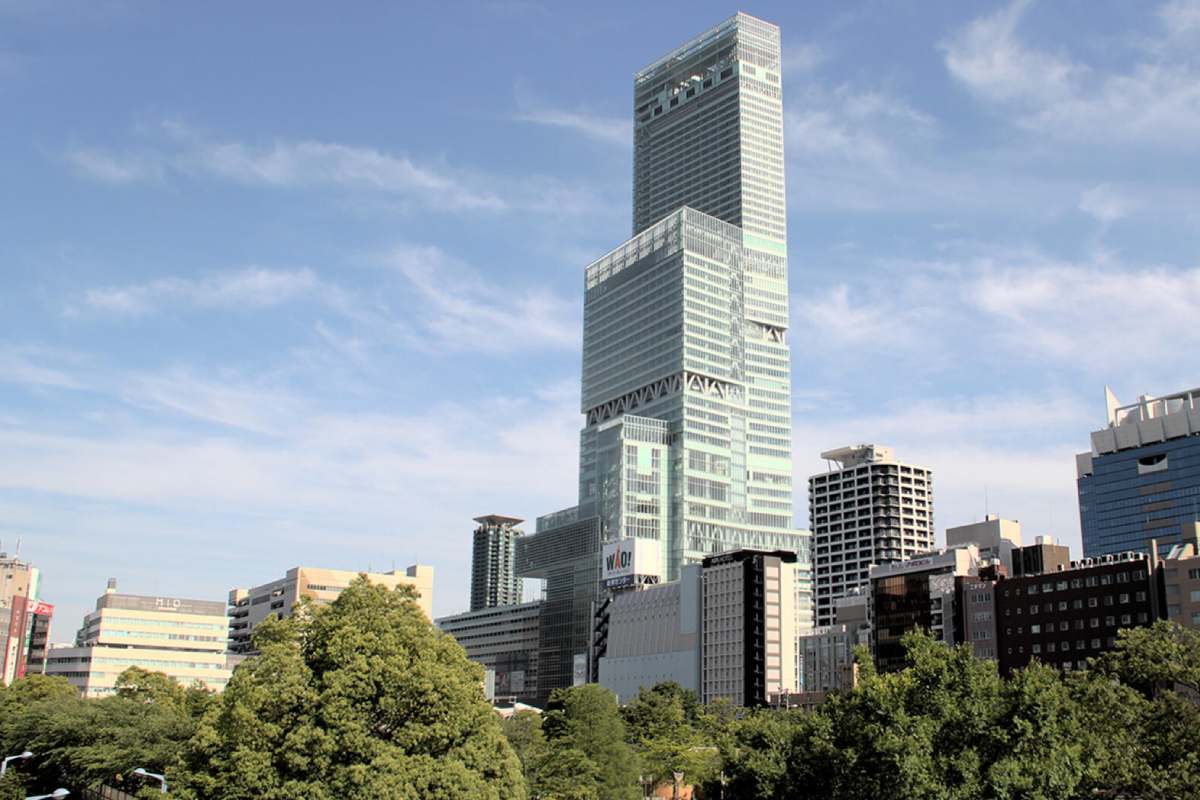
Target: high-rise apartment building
{"type": "Point", "coordinates": [494, 580]}
{"type": "Point", "coordinates": [182, 638]}
{"type": "Point", "coordinates": [686, 364]}
{"type": "Point", "coordinates": [871, 509]}
{"type": "Point", "coordinates": [1141, 479]}
{"type": "Point", "coordinates": [248, 608]}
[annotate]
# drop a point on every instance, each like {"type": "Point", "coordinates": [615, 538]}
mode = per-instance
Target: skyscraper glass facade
{"type": "Point", "coordinates": [1141, 481]}
{"type": "Point", "coordinates": [685, 325]}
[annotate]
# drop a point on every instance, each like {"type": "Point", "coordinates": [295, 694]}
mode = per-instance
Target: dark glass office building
{"type": "Point", "coordinates": [1141, 479]}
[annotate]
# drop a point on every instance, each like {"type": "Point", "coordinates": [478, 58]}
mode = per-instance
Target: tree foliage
{"type": "Point", "coordinates": [583, 728]}
{"type": "Point", "coordinates": [363, 699]}
{"type": "Point", "coordinates": [358, 700]}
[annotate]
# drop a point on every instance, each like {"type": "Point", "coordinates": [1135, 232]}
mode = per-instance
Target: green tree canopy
{"type": "Point", "coordinates": [358, 700]}
{"type": "Point", "coordinates": [585, 719]}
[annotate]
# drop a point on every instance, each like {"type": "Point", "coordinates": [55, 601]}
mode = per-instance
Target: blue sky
{"type": "Point", "coordinates": [301, 283]}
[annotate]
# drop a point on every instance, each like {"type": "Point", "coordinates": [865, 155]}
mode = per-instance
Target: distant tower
{"type": "Point", "coordinates": [493, 579]}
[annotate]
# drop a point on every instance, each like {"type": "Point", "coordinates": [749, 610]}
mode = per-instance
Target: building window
{"type": "Point", "coordinates": [1141, 597]}
{"type": "Point", "coordinates": [1124, 598]}
{"type": "Point", "coordinates": [1037, 648]}
{"type": "Point", "coordinates": [1126, 619]}
{"type": "Point", "coordinates": [1033, 609]}
{"type": "Point", "coordinates": [1035, 628]}
{"type": "Point", "coordinates": [1093, 602]}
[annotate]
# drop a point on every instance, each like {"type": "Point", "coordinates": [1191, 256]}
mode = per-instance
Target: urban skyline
{"type": "Point", "coordinates": [115, 439]}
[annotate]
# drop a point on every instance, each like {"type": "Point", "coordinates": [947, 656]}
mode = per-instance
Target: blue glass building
{"type": "Point", "coordinates": [1141, 479]}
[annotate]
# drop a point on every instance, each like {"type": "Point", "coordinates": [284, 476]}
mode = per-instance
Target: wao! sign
{"type": "Point", "coordinates": [630, 561]}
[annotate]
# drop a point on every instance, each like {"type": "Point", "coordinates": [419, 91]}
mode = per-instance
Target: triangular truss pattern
{"type": "Point", "coordinates": [662, 387]}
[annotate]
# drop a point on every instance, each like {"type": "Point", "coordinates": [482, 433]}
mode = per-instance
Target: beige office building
{"type": "Point", "coordinates": [249, 607]}
{"type": "Point", "coordinates": [1181, 578]}
{"type": "Point", "coordinates": [182, 638]}
{"type": "Point", "coordinates": [749, 627]}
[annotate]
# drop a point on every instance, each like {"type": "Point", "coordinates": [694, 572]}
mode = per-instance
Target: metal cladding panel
{"type": "Point", "coordinates": [1151, 431]}
{"type": "Point", "coordinates": [1175, 425]}
{"type": "Point", "coordinates": [1104, 441]}
{"type": "Point", "coordinates": [1127, 436]}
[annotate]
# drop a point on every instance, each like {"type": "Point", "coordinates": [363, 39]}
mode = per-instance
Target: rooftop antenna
{"type": "Point", "coordinates": [986, 510]}
{"type": "Point", "coordinates": [17, 552]}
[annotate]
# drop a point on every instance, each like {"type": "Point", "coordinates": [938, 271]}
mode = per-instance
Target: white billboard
{"type": "Point", "coordinates": [627, 562]}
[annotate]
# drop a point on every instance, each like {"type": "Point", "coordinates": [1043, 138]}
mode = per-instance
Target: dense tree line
{"type": "Point", "coordinates": [364, 699]}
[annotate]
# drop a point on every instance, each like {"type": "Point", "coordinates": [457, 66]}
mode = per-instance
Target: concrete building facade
{"type": "Point", "coordinates": [182, 638]}
{"type": "Point", "coordinates": [749, 630]}
{"type": "Point", "coordinates": [1065, 617]}
{"type": "Point", "coordinates": [248, 608]}
{"type": "Point", "coordinates": [24, 619]}
{"type": "Point", "coordinates": [654, 636]}
{"type": "Point", "coordinates": [1141, 478]}
{"type": "Point", "coordinates": [1181, 580]}
{"type": "Point", "coordinates": [504, 639]}
{"type": "Point", "coordinates": [494, 580]}
{"type": "Point", "coordinates": [869, 510]}
{"type": "Point", "coordinates": [996, 538]}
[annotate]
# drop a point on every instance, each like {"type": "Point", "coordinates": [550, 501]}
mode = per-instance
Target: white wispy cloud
{"type": "Point", "coordinates": [114, 167]}
{"type": "Point", "coordinates": [289, 164]}
{"type": "Point", "coordinates": [1105, 202]}
{"type": "Point", "coordinates": [605, 129]}
{"type": "Point", "coordinates": [249, 288]}
{"type": "Point", "coordinates": [1155, 101]}
{"type": "Point", "coordinates": [1014, 305]}
{"type": "Point", "coordinates": [33, 366]}
{"type": "Point", "coordinates": [461, 310]}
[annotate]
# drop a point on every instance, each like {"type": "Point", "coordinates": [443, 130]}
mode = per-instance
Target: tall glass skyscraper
{"type": "Point", "coordinates": [686, 364]}
{"type": "Point", "coordinates": [1141, 479]}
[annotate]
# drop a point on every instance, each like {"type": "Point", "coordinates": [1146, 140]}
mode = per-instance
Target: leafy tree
{"type": "Point", "coordinates": [1144, 658]}
{"type": "Point", "coordinates": [669, 730]}
{"type": "Point", "coordinates": [359, 699]}
{"type": "Point", "coordinates": [585, 719]}
{"type": "Point", "coordinates": [524, 733]}
{"type": "Point", "coordinates": [11, 787]}
{"type": "Point", "coordinates": [80, 743]}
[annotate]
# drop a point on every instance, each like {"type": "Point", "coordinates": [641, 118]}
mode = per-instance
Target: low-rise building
{"type": "Point", "coordinates": [1181, 579]}
{"type": "Point", "coordinates": [504, 639]}
{"type": "Point", "coordinates": [24, 619]}
{"type": "Point", "coordinates": [653, 636]}
{"type": "Point", "coordinates": [182, 638]}
{"type": "Point", "coordinates": [1065, 617]}
{"type": "Point", "coordinates": [250, 607]}
{"type": "Point", "coordinates": [996, 538]}
{"type": "Point", "coordinates": [922, 592]}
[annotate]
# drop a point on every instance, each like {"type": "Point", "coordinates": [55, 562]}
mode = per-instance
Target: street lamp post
{"type": "Point", "coordinates": [678, 776]}
{"type": "Point", "coordinates": [646, 781]}
{"type": "Point", "coordinates": [57, 793]}
{"type": "Point", "coordinates": [162, 779]}
{"type": "Point", "coordinates": [19, 756]}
